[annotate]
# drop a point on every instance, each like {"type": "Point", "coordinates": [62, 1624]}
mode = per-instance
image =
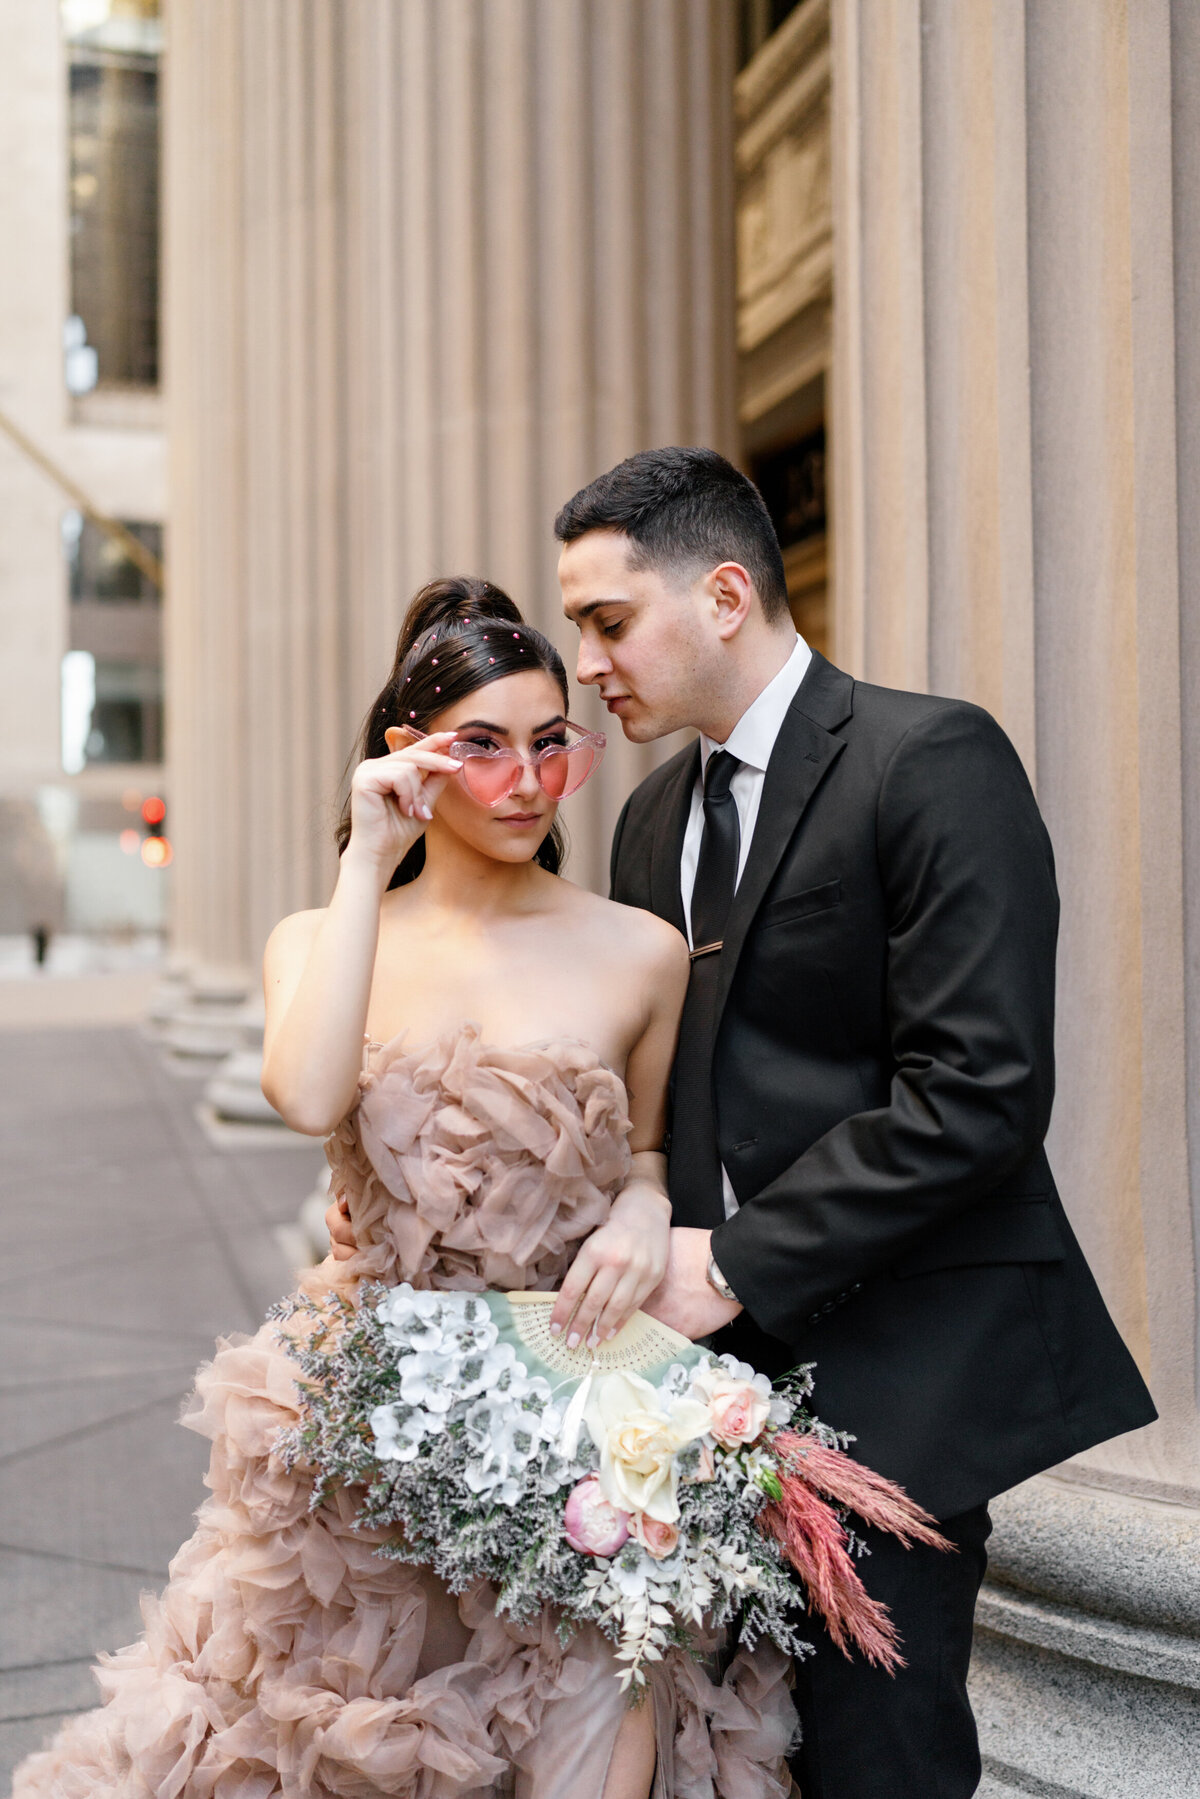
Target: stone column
{"type": "Point", "coordinates": [433, 264]}
{"type": "Point", "coordinates": [1017, 225]}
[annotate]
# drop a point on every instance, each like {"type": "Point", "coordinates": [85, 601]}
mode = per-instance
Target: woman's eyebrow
{"type": "Point", "coordinates": [481, 724]}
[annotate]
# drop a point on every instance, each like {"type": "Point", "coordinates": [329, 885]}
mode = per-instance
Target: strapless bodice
{"type": "Point", "coordinates": [465, 1164]}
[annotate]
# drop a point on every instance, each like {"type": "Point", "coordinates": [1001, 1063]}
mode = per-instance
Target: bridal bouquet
{"type": "Point", "coordinates": [648, 1486]}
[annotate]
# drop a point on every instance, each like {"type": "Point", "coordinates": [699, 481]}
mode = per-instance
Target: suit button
{"type": "Point", "coordinates": [814, 1317]}
{"type": "Point", "coordinates": [666, 1143]}
{"type": "Point", "coordinates": [856, 1288]}
{"type": "Point", "coordinates": [829, 1306]}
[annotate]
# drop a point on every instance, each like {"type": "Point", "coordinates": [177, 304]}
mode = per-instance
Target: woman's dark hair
{"type": "Point", "coordinates": [487, 639]}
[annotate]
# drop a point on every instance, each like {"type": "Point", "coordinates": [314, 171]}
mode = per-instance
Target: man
{"type": "Point", "coordinates": [865, 1069]}
{"type": "Point", "coordinates": [864, 1075]}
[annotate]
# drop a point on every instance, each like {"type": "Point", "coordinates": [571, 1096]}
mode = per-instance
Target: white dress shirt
{"type": "Point", "coordinates": [751, 741]}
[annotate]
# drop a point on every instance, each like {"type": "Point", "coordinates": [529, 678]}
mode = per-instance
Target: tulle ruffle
{"type": "Point", "coordinates": [465, 1165]}
{"type": "Point", "coordinates": [285, 1656]}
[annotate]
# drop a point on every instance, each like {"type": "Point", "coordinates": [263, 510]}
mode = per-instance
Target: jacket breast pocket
{"type": "Point", "coordinates": [791, 906]}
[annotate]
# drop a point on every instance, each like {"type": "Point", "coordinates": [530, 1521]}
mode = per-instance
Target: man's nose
{"type": "Point", "coordinates": [590, 665]}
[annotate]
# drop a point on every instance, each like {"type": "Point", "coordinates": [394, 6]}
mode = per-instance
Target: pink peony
{"type": "Point", "coordinates": [656, 1538]}
{"type": "Point", "coordinates": [590, 1524]}
{"type": "Point", "coordinates": [738, 1413]}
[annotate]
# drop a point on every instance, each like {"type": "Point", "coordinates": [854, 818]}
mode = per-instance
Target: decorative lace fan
{"type": "Point", "coordinates": [643, 1346]}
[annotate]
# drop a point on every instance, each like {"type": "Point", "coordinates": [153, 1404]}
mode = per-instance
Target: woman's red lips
{"type": "Point", "coordinates": [519, 818]}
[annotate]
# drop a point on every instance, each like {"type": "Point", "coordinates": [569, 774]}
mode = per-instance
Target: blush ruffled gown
{"type": "Point", "coordinates": [284, 1656]}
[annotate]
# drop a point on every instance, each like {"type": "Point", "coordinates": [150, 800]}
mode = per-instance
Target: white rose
{"type": "Point", "coordinates": [638, 1432]}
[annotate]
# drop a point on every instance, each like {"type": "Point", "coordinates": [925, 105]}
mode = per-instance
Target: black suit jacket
{"type": "Point", "coordinates": [883, 1071]}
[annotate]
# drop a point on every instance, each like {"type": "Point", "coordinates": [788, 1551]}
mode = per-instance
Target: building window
{"type": "Point", "coordinates": [113, 49]}
{"type": "Point", "coordinates": [792, 482]}
{"type": "Point", "coordinates": [112, 702]}
{"type": "Point", "coordinates": [757, 19]}
{"type": "Point", "coordinates": [791, 479]}
{"type": "Point", "coordinates": [100, 572]}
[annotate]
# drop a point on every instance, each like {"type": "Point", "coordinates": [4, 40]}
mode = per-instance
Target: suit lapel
{"type": "Point", "coordinates": [804, 752]}
{"type": "Point", "coordinates": [666, 845]}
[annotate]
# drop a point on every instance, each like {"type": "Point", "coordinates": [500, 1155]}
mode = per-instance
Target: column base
{"type": "Point", "coordinates": [1086, 1673]}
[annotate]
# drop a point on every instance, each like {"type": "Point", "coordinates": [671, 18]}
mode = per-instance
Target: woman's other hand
{"type": "Point", "coordinates": [342, 1241]}
{"type": "Point", "coordinates": [619, 1265]}
{"type": "Point", "coordinates": [392, 797]}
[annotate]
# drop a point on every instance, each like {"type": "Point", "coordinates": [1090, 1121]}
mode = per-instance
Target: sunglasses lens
{"type": "Point", "coordinates": [564, 771]}
{"type": "Point", "coordinates": [490, 777]}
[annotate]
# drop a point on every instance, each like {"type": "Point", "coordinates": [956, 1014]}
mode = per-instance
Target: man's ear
{"type": "Point", "coordinates": [732, 592]}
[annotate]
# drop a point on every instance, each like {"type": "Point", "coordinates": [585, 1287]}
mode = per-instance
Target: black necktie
{"type": "Point", "coordinates": [716, 871]}
{"type": "Point", "coordinates": [695, 1170]}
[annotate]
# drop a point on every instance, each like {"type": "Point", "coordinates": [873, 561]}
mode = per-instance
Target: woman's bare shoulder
{"type": "Point", "coordinates": [293, 936]}
{"type": "Point", "coordinates": [638, 935]}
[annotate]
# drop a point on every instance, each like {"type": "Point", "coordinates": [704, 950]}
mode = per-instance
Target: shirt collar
{"type": "Point", "coordinates": [753, 737]}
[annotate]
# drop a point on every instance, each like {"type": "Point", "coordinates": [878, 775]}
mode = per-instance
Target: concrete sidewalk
{"type": "Point", "coordinates": [129, 1244]}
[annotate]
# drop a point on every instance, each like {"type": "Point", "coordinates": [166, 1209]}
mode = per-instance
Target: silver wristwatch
{"type": "Point", "coordinates": [717, 1281]}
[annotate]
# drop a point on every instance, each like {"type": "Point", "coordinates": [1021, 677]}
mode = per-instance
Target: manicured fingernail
{"type": "Point", "coordinates": [593, 1341]}
{"type": "Point", "coordinates": [609, 1335]}
{"type": "Point", "coordinates": [556, 1330]}
{"type": "Point", "coordinates": [573, 1340]}
{"type": "Point", "coordinates": [426, 813]}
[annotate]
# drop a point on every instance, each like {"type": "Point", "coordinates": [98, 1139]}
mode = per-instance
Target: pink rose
{"type": "Point", "coordinates": [656, 1538]}
{"type": "Point", "coordinates": [738, 1413]}
{"type": "Point", "coordinates": [590, 1524]}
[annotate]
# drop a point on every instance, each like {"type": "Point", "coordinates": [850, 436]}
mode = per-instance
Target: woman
{"type": "Point", "coordinates": [486, 1048]}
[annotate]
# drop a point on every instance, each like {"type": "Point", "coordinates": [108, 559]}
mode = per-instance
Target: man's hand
{"type": "Point", "coordinates": [342, 1242]}
{"type": "Point", "coordinates": [683, 1298]}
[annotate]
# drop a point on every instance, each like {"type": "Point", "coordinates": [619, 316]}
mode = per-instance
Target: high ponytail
{"type": "Point", "coordinates": [452, 600]}
{"type": "Point", "coordinates": [459, 634]}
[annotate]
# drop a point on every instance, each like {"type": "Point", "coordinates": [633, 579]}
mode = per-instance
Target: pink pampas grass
{"type": "Point", "coordinates": [806, 1527]}
{"type": "Point", "coordinates": [876, 1501]}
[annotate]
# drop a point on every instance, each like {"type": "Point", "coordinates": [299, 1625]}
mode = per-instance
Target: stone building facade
{"type": "Point", "coordinates": [430, 266]}
{"type": "Point", "coordinates": [433, 264]}
{"type": "Point", "coordinates": [79, 421]}
{"type": "Point", "coordinates": [1014, 428]}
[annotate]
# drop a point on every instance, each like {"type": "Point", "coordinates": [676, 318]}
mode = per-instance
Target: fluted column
{"type": "Point", "coordinates": [205, 619]}
{"type": "Point", "coordinates": [1017, 234]}
{"type": "Point", "coordinates": [433, 265]}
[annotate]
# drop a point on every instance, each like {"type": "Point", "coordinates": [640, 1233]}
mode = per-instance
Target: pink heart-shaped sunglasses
{"type": "Point", "coordinates": [490, 775]}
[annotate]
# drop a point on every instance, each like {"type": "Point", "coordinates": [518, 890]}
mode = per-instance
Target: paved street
{"type": "Point", "coordinates": [129, 1244]}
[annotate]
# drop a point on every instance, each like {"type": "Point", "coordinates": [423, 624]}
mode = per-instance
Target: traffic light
{"type": "Point", "coordinates": [156, 847]}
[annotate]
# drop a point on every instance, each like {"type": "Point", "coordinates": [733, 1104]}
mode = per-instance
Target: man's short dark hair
{"type": "Point", "coordinates": [683, 510]}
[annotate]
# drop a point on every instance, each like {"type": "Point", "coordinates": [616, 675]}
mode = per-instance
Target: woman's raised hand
{"type": "Point", "coordinates": [392, 797]}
